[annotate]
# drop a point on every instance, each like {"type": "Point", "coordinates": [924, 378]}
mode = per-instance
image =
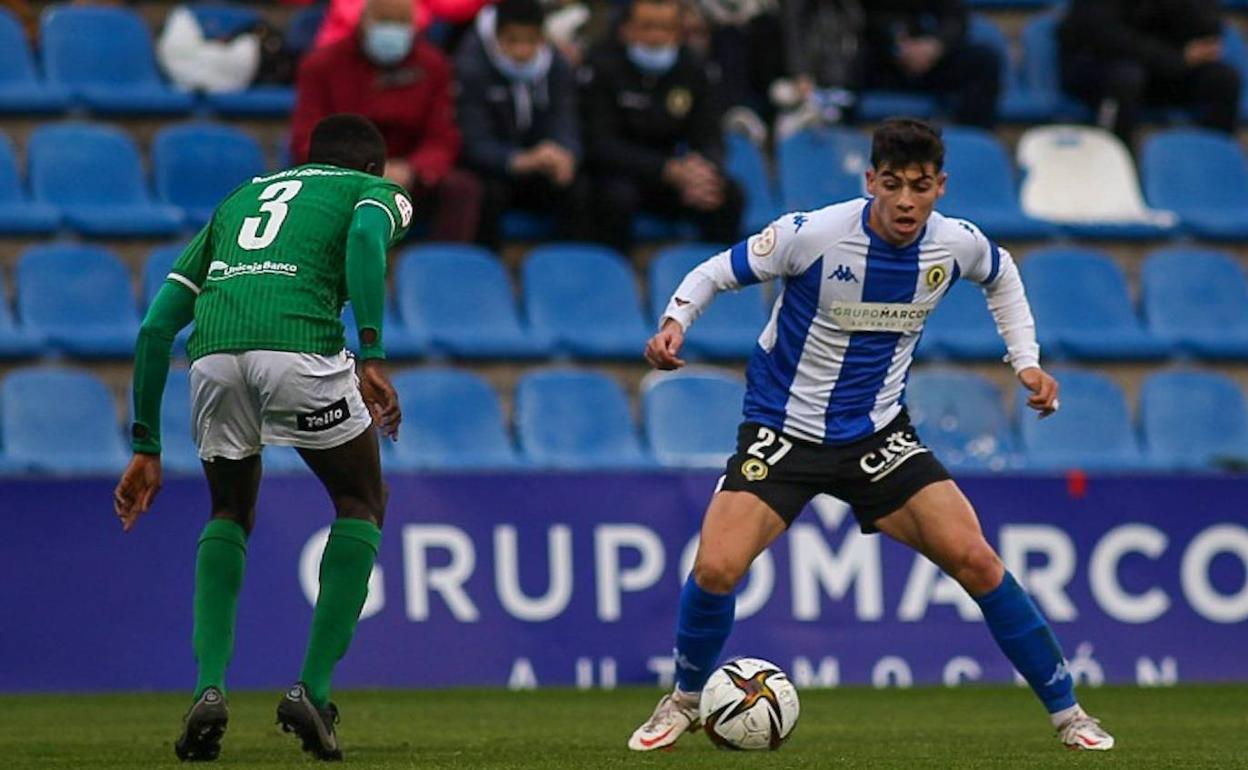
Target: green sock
{"type": "Point", "coordinates": [345, 567]}
{"type": "Point", "coordinates": [218, 579]}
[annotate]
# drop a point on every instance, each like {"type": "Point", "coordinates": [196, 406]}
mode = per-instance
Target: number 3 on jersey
{"type": "Point", "coordinates": [274, 199]}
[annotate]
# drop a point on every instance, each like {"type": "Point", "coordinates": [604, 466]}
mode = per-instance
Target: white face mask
{"type": "Point", "coordinates": [653, 60]}
{"type": "Point", "coordinates": [388, 42]}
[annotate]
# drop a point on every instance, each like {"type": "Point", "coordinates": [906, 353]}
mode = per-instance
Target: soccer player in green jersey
{"type": "Point", "coordinates": [265, 282]}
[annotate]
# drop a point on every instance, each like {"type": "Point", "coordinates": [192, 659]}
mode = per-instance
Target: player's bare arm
{"type": "Point", "coordinates": [663, 349]}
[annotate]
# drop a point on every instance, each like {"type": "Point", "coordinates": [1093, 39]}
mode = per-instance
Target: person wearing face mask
{"type": "Point", "coordinates": [388, 73]}
{"type": "Point", "coordinates": [652, 131]}
{"type": "Point", "coordinates": [516, 100]}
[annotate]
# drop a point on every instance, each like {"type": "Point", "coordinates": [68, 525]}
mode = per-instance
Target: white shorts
{"type": "Point", "coordinates": [242, 401]}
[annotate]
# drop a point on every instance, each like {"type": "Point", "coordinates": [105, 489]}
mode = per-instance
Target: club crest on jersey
{"type": "Point", "coordinates": [936, 275]}
{"type": "Point", "coordinates": [764, 243]}
{"type": "Point", "coordinates": [754, 469]}
{"type": "Point", "coordinates": [679, 102]}
{"type": "Point", "coordinates": [405, 208]}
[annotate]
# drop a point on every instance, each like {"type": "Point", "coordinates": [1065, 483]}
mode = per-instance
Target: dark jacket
{"type": "Point", "coordinates": [1153, 32]}
{"type": "Point", "coordinates": [499, 117]}
{"type": "Point", "coordinates": [634, 122]}
{"type": "Point", "coordinates": [888, 20]}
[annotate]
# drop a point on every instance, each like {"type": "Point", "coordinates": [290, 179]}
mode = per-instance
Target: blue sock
{"type": "Point", "coordinates": [703, 625]}
{"type": "Point", "coordinates": [1027, 640]}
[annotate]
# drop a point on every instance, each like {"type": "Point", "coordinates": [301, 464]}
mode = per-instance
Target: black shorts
{"type": "Point", "coordinates": [875, 475]}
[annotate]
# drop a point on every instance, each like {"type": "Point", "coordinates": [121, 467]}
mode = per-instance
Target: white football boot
{"type": "Point", "coordinates": [1085, 733]}
{"type": "Point", "coordinates": [671, 719]}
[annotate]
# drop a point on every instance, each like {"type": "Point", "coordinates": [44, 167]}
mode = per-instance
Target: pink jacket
{"type": "Point", "coordinates": [344, 16]}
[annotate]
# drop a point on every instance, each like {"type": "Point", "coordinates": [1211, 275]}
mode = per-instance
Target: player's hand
{"type": "Point", "coordinates": [380, 398]}
{"type": "Point", "coordinates": [663, 348]}
{"type": "Point", "coordinates": [1043, 389]}
{"type": "Point", "coordinates": [137, 489]}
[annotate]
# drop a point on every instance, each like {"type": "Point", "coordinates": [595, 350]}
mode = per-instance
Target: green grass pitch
{"type": "Point", "coordinates": [1186, 726]}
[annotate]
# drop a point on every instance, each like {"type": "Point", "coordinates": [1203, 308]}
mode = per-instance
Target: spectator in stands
{"type": "Point", "coordinates": [921, 45]}
{"type": "Point", "coordinates": [652, 129]}
{"type": "Point", "coordinates": [823, 47]}
{"type": "Point", "coordinates": [743, 35]}
{"type": "Point", "coordinates": [389, 74]}
{"type": "Point", "coordinates": [1121, 55]}
{"type": "Point", "coordinates": [517, 110]}
{"type": "Point", "coordinates": [343, 17]}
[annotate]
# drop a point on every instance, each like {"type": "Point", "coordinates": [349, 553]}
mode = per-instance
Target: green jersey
{"type": "Point", "coordinates": [269, 269]}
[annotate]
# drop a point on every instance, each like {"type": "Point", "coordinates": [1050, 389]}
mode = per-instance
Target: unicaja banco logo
{"type": "Point", "coordinates": [221, 271]}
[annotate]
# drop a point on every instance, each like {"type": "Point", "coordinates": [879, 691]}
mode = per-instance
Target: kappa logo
{"type": "Point", "coordinates": [1060, 673]}
{"type": "Point", "coordinates": [798, 221]}
{"type": "Point", "coordinates": [844, 273]}
{"type": "Point", "coordinates": [683, 662]}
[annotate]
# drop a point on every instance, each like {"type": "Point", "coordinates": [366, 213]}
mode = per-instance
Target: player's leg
{"type": "Point", "coordinates": [939, 522]}
{"type": "Point", "coordinates": [226, 426]}
{"type": "Point", "coordinates": [737, 527]}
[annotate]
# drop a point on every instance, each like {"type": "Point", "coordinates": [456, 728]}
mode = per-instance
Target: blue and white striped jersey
{"type": "Point", "coordinates": [832, 362]}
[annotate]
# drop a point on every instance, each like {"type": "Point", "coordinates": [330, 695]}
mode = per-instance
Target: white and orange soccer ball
{"type": "Point", "coordinates": [749, 704]}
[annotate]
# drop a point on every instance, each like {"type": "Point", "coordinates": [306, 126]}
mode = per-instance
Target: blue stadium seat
{"type": "Point", "coordinates": [60, 421]}
{"type": "Point", "coordinates": [982, 188]}
{"type": "Point", "coordinates": [16, 341]}
{"type": "Point", "coordinates": [878, 105]}
{"type": "Point", "coordinates": [451, 420]}
{"type": "Point", "coordinates": [104, 57]}
{"type": "Point", "coordinates": [79, 297]}
{"type": "Point", "coordinates": [730, 326]}
{"type": "Point", "coordinates": [584, 297]}
{"type": "Point", "coordinates": [1200, 175]}
{"type": "Point", "coordinates": [1018, 103]}
{"type": "Point", "coordinates": [219, 21]}
{"type": "Point", "coordinates": [303, 27]}
{"type": "Point", "coordinates": [961, 416]}
{"type": "Point", "coordinates": [1091, 431]}
{"type": "Point", "coordinates": [746, 165]}
{"type": "Point", "coordinates": [177, 441]}
{"type": "Point", "coordinates": [257, 101]}
{"type": "Point", "coordinates": [1194, 420]}
{"type": "Point", "coordinates": [1197, 299]}
{"type": "Point", "coordinates": [21, 89]}
{"type": "Point", "coordinates": [1038, 71]}
{"type": "Point", "coordinates": [521, 225]}
{"type": "Point", "coordinates": [961, 328]}
{"type": "Point", "coordinates": [196, 165]}
{"type": "Point", "coordinates": [461, 297]}
{"type": "Point", "coordinates": [822, 166]}
{"type": "Point", "coordinates": [691, 417]}
{"type": "Point", "coordinates": [19, 216]}
{"type": "Point", "coordinates": [94, 175]}
{"type": "Point", "coordinates": [1082, 308]}
{"type": "Point", "coordinates": [576, 420]}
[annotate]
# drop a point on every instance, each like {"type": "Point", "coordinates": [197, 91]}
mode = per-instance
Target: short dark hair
{"type": "Point", "coordinates": [524, 13]}
{"type": "Point", "coordinates": [902, 142]}
{"type": "Point", "coordinates": [350, 141]}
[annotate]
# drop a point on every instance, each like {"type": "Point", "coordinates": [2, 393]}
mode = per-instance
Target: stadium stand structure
{"type": "Point", "coordinates": [59, 421]}
{"type": "Point", "coordinates": [19, 216]}
{"type": "Point", "coordinates": [196, 165]}
{"type": "Point", "coordinates": [79, 298]}
{"type": "Point", "coordinates": [961, 328]}
{"type": "Point", "coordinates": [1202, 176]}
{"type": "Point", "coordinates": [1095, 432]}
{"type": "Point", "coordinates": [982, 187]}
{"type": "Point", "coordinates": [22, 91]}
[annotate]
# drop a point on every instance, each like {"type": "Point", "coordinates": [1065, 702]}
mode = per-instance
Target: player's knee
{"type": "Point", "coordinates": [351, 507]}
{"type": "Point", "coordinates": [718, 575]}
{"type": "Point", "coordinates": [978, 568]}
{"type": "Point", "coordinates": [244, 519]}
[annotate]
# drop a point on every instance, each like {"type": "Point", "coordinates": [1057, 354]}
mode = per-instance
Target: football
{"type": "Point", "coordinates": [749, 704]}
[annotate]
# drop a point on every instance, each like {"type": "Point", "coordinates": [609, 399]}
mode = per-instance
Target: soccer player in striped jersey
{"type": "Point", "coordinates": [824, 412]}
{"type": "Point", "coordinates": [265, 282]}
